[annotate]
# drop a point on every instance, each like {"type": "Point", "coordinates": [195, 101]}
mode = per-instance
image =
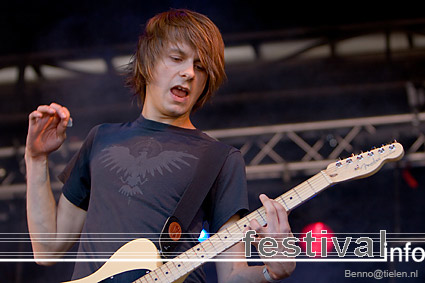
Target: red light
{"type": "Point", "coordinates": [316, 232]}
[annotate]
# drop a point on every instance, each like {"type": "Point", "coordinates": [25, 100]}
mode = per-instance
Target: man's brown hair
{"type": "Point", "coordinates": [178, 26]}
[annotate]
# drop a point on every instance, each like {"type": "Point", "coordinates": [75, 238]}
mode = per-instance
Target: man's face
{"type": "Point", "coordinates": [177, 82]}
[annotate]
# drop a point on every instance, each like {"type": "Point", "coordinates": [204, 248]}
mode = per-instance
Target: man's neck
{"type": "Point", "coordinates": [181, 121]}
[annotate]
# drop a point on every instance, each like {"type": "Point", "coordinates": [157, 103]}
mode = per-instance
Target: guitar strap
{"type": "Point", "coordinates": [206, 173]}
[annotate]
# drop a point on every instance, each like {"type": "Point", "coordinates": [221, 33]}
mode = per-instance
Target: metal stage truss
{"type": "Point", "coordinates": [274, 151]}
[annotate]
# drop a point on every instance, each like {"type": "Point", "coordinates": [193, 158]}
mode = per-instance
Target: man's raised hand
{"type": "Point", "coordinates": [46, 130]}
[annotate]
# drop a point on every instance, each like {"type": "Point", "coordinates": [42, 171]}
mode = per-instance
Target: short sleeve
{"type": "Point", "coordinates": [76, 175]}
{"type": "Point", "coordinates": [229, 195]}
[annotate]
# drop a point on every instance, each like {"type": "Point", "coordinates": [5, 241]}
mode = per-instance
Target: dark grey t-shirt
{"type": "Point", "coordinates": [129, 177]}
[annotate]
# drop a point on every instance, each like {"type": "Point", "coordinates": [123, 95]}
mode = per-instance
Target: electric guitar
{"type": "Point", "coordinates": [139, 262]}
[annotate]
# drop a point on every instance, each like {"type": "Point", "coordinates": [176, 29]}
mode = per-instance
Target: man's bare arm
{"type": "Point", "coordinates": [49, 225]}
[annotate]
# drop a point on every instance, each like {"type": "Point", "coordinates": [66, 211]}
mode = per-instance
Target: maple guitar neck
{"type": "Point", "coordinates": [354, 167]}
{"type": "Point", "coordinates": [228, 237]}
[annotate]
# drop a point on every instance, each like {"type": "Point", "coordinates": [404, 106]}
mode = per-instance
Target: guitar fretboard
{"type": "Point", "coordinates": [226, 238]}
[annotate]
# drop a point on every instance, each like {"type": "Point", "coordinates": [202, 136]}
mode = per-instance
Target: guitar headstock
{"type": "Point", "coordinates": [364, 164]}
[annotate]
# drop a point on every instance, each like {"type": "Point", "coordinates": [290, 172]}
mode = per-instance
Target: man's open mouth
{"type": "Point", "coordinates": [180, 91]}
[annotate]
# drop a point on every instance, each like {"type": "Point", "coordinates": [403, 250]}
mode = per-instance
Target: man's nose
{"type": "Point", "coordinates": [188, 71]}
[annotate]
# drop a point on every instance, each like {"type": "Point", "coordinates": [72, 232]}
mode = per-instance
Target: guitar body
{"type": "Point", "coordinates": [127, 271]}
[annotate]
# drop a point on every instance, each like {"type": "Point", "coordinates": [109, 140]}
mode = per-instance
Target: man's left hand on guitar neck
{"type": "Point", "coordinates": [277, 227]}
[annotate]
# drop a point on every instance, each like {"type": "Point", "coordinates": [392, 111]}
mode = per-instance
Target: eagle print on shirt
{"type": "Point", "coordinates": [143, 161]}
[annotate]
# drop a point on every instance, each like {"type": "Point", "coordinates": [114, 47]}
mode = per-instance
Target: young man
{"type": "Point", "coordinates": [128, 178]}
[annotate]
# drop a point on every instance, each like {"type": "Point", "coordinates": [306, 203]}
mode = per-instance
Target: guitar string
{"type": "Point", "coordinates": [201, 255]}
{"type": "Point", "coordinates": [206, 251]}
{"type": "Point", "coordinates": [236, 228]}
{"type": "Point", "coordinates": [305, 191]}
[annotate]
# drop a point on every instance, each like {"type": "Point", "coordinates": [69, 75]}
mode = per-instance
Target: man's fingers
{"type": "Point", "coordinates": [60, 114]}
{"type": "Point", "coordinates": [46, 109]}
{"type": "Point", "coordinates": [66, 111]}
{"type": "Point", "coordinates": [68, 120]}
{"type": "Point", "coordinates": [34, 115]}
{"type": "Point", "coordinates": [60, 110]}
{"type": "Point", "coordinates": [64, 115]}
{"type": "Point", "coordinates": [271, 213]}
{"type": "Point", "coordinates": [53, 109]}
{"type": "Point", "coordinates": [282, 216]}
{"type": "Point", "coordinates": [277, 217]}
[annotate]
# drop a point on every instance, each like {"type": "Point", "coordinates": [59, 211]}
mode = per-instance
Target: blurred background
{"type": "Point", "coordinates": [306, 85]}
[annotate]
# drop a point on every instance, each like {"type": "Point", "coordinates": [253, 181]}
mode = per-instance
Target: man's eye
{"type": "Point", "coordinates": [174, 58]}
{"type": "Point", "coordinates": [200, 68]}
